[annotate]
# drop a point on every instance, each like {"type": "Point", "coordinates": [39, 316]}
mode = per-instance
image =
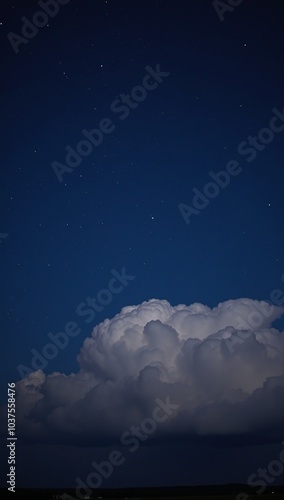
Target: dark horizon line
{"type": "Point", "coordinates": [138, 488]}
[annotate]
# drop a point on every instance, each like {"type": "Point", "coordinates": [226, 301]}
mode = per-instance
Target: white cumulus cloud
{"type": "Point", "coordinates": [223, 366]}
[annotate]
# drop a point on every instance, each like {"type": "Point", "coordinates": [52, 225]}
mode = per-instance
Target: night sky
{"type": "Point", "coordinates": [145, 263]}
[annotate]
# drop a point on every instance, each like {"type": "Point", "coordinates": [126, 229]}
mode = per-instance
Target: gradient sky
{"type": "Point", "coordinates": [119, 209]}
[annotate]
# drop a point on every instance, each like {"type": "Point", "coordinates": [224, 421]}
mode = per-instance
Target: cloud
{"type": "Point", "coordinates": [157, 350]}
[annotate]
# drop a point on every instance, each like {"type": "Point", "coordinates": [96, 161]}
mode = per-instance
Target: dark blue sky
{"type": "Point", "coordinates": [119, 207]}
